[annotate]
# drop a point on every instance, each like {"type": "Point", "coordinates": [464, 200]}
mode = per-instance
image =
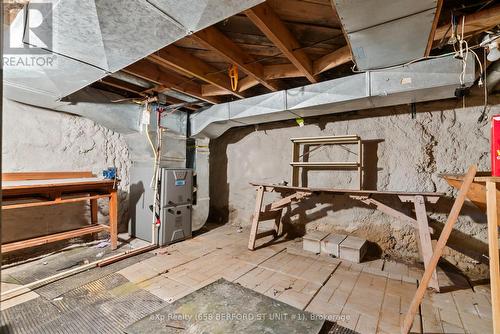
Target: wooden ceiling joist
{"type": "Point", "coordinates": [276, 31]}
{"type": "Point", "coordinates": [175, 58]}
{"type": "Point", "coordinates": [476, 22]}
{"type": "Point", "coordinates": [123, 85]}
{"type": "Point", "coordinates": [212, 38]}
{"type": "Point", "coordinates": [281, 71]}
{"type": "Point", "coordinates": [331, 60]}
{"type": "Point", "coordinates": [151, 72]}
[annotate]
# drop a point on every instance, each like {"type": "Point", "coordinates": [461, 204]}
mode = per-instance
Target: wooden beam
{"type": "Point", "coordinates": [492, 214]}
{"type": "Point", "coordinates": [182, 61]}
{"type": "Point", "coordinates": [151, 72]}
{"type": "Point", "coordinates": [212, 38]}
{"type": "Point", "coordinates": [275, 30]}
{"type": "Point", "coordinates": [211, 90]}
{"type": "Point", "coordinates": [12, 246]}
{"type": "Point", "coordinates": [126, 86]}
{"type": "Point", "coordinates": [475, 22]}
{"type": "Point", "coordinates": [425, 238]}
{"type": "Point", "coordinates": [244, 84]}
{"type": "Point", "coordinates": [331, 60]}
{"type": "Point", "coordinates": [247, 83]}
{"type": "Point", "coordinates": [23, 176]}
{"type": "Point", "coordinates": [281, 71]}
{"type": "Point", "coordinates": [443, 238]}
{"type": "Point", "coordinates": [434, 27]}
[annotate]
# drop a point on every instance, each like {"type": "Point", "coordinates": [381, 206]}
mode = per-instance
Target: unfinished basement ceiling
{"type": "Point", "coordinates": [279, 45]}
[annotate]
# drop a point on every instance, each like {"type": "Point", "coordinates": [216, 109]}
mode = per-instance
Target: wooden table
{"type": "Point", "coordinates": [27, 190]}
{"type": "Point", "coordinates": [273, 211]}
{"type": "Point", "coordinates": [485, 193]}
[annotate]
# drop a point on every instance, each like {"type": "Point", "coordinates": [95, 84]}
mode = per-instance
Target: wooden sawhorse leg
{"type": "Point", "coordinates": [438, 251]}
{"type": "Point", "coordinates": [492, 213]}
{"type": "Point", "coordinates": [425, 238]}
{"type": "Point", "coordinates": [113, 218]}
{"type": "Point", "coordinates": [256, 217]}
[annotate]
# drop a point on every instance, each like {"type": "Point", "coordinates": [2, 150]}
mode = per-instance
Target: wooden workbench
{"type": "Point", "coordinates": [484, 192]}
{"type": "Point", "coordinates": [273, 211]}
{"type": "Point", "coordinates": [27, 190]}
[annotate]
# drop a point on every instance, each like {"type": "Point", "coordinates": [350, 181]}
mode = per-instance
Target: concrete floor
{"type": "Point", "coordinates": [371, 297]}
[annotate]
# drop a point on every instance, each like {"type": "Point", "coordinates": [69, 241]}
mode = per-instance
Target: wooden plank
{"type": "Point", "coordinates": [113, 219]}
{"type": "Point", "coordinates": [255, 220]}
{"type": "Point", "coordinates": [492, 213]}
{"type": "Point", "coordinates": [122, 85]}
{"type": "Point", "coordinates": [331, 60]}
{"type": "Point", "coordinates": [280, 188]}
{"type": "Point", "coordinates": [47, 188]}
{"type": "Point", "coordinates": [151, 72]}
{"type": "Point", "coordinates": [474, 22]}
{"type": "Point", "coordinates": [388, 210]}
{"type": "Point", "coordinates": [425, 238]}
{"type": "Point", "coordinates": [281, 71]}
{"type": "Point", "coordinates": [211, 90]}
{"type": "Point", "coordinates": [216, 40]}
{"type": "Point", "coordinates": [443, 238]}
{"type": "Point", "coordinates": [295, 170]}
{"type": "Point", "coordinates": [94, 211]}
{"type": "Point", "coordinates": [52, 238]}
{"type": "Point", "coordinates": [19, 176]}
{"type": "Point", "coordinates": [360, 164]}
{"type": "Point", "coordinates": [247, 83]}
{"type": "Point", "coordinates": [439, 5]}
{"type": "Point", "coordinates": [324, 164]}
{"type": "Point", "coordinates": [53, 202]}
{"type": "Point", "coordinates": [264, 17]}
{"type": "Point", "coordinates": [176, 58]}
{"type": "Point", "coordinates": [285, 201]}
{"type": "Point", "coordinates": [477, 191]}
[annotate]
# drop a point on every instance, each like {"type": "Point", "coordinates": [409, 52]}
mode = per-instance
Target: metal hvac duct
{"type": "Point", "coordinates": [384, 33]}
{"type": "Point", "coordinates": [428, 80]}
{"type": "Point", "coordinates": [93, 38]}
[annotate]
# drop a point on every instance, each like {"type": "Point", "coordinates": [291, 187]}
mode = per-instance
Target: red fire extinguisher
{"type": "Point", "coordinates": [495, 145]}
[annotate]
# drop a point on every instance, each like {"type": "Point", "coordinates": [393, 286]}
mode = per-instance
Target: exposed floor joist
{"type": "Point", "coordinates": [476, 22]}
{"type": "Point", "coordinates": [217, 41]}
{"type": "Point", "coordinates": [175, 58]}
{"type": "Point", "coordinates": [331, 60]}
{"type": "Point", "coordinates": [275, 30]}
{"type": "Point", "coordinates": [125, 86]}
{"type": "Point", "coordinates": [148, 71]}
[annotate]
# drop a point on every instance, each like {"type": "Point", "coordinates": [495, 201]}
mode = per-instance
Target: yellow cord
{"type": "Point", "coordinates": [233, 76]}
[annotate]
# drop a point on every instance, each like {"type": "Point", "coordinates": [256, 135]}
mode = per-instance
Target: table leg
{"type": "Point", "coordinates": [256, 216]}
{"type": "Point", "coordinates": [94, 210]}
{"type": "Point", "coordinates": [113, 218]}
{"type": "Point", "coordinates": [492, 213]}
{"type": "Point", "coordinates": [425, 238]}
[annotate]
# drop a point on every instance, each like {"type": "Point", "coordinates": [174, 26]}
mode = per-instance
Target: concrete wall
{"type": "Point", "coordinates": [401, 153]}
{"type": "Point", "coordinates": [36, 139]}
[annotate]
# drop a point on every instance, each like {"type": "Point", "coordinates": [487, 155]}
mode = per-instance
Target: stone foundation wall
{"type": "Point", "coordinates": [401, 153]}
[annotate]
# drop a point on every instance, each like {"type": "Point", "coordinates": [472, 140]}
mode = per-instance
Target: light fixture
{"type": "Point", "coordinates": [490, 42]}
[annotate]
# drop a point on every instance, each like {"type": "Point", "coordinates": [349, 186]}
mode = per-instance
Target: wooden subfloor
{"type": "Point", "coordinates": [371, 297]}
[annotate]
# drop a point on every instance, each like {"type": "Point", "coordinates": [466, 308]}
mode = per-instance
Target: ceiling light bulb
{"type": "Point", "coordinates": [493, 53]}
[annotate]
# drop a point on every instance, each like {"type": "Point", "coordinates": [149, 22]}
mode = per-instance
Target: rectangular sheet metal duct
{"type": "Point", "coordinates": [423, 81]}
{"type": "Point", "coordinates": [385, 33]}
